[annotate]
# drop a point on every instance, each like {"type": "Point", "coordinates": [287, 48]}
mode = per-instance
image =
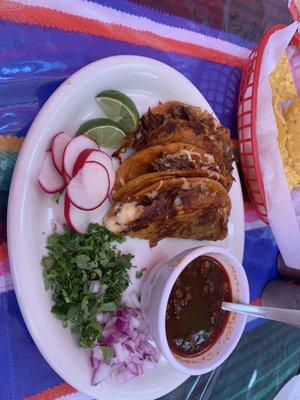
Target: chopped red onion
{"type": "Point", "coordinates": [97, 288]}
{"type": "Point", "coordinates": [126, 334]}
{"type": "Point", "coordinates": [102, 318]}
{"type": "Point", "coordinates": [101, 373]}
{"type": "Point", "coordinates": [124, 376]}
{"type": "Point", "coordinates": [121, 352]}
{"type": "Point", "coordinates": [131, 300]}
{"type": "Point", "coordinates": [120, 324]}
{"type": "Point", "coordinates": [95, 362]}
{"type": "Point", "coordinates": [98, 353]}
{"type": "Point", "coordinates": [129, 347]}
{"type": "Point", "coordinates": [133, 368]}
{"type": "Point", "coordinates": [120, 313]}
{"type": "Point", "coordinates": [135, 322]}
{"type": "Point", "coordinates": [109, 341]}
{"type": "Point", "coordinates": [149, 364]}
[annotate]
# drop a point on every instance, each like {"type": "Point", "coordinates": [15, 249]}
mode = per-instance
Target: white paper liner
{"type": "Point", "coordinates": [281, 213]}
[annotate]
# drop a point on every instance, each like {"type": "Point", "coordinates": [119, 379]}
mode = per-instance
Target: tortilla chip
{"type": "Point", "coordinates": [292, 143]}
{"type": "Point", "coordinates": [282, 82]}
{"type": "Point", "coordinates": [283, 89]}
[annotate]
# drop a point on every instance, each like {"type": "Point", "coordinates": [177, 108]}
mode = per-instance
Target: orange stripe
{"type": "Point", "coordinates": [49, 18]}
{"type": "Point", "coordinates": [53, 393]}
{"type": "Point", "coordinates": [10, 143]}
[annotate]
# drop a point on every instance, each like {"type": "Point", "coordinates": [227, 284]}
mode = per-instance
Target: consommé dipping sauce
{"type": "Point", "coordinates": [194, 319]}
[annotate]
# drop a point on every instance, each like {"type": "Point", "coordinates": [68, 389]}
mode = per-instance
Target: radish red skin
{"type": "Point", "coordinates": [72, 151]}
{"type": "Point", "coordinates": [79, 220]}
{"type": "Point", "coordinates": [67, 209]}
{"type": "Point", "coordinates": [76, 190]}
{"type": "Point", "coordinates": [81, 159]}
{"type": "Point", "coordinates": [97, 156]}
{"type": "Point", "coordinates": [57, 190]}
{"type": "Point", "coordinates": [59, 144]}
{"type": "Point", "coordinates": [85, 155]}
{"type": "Point", "coordinates": [66, 177]}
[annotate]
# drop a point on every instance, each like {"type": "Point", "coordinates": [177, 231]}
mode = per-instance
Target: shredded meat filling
{"type": "Point", "coordinates": [173, 161]}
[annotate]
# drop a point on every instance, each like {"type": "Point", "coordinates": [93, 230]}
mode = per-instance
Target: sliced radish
{"type": "Point", "coordinates": [106, 160]}
{"type": "Point", "coordinates": [49, 179]}
{"type": "Point", "coordinates": [81, 159]}
{"type": "Point", "coordinates": [79, 220]}
{"type": "Point", "coordinates": [58, 147]}
{"type": "Point", "coordinates": [90, 187]}
{"type": "Point", "coordinates": [66, 177]}
{"type": "Point", "coordinates": [73, 149]}
{"type": "Point", "coordinates": [98, 156]}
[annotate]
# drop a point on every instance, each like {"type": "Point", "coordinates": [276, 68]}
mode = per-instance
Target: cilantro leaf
{"type": "Point", "coordinates": [109, 307]}
{"type": "Point", "coordinates": [140, 273]}
{"type": "Point", "coordinates": [82, 261]}
{"type": "Point", "coordinates": [108, 354]}
{"type": "Point", "coordinates": [56, 197]}
{"type": "Point", "coordinates": [72, 263]}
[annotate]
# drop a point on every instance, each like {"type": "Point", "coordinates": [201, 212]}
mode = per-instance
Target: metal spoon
{"type": "Point", "coordinates": [291, 317]}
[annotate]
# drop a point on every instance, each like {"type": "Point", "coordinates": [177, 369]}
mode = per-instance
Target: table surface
{"type": "Point", "coordinates": [45, 41]}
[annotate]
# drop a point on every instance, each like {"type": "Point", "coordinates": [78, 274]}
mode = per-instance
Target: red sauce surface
{"type": "Point", "coordinates": [194, 319]}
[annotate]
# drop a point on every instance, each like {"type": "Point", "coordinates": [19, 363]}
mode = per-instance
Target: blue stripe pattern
{"type": "Point", "coordinates": [260, 259]}
{"type": "Point", "coordinates": [31, 76]}
{"type": "Point", "coordinates": [23, 370]}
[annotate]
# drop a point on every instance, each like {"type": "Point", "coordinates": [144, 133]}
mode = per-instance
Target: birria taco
{"type": "Point", "coordinates": [177, 122]}
{"type": "Point", "coordinates": [195, 208]}
{"type": "Point", "coordinates": [161, 161]}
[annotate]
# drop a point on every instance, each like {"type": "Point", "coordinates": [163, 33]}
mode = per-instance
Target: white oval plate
{"type": "Point", "coordinates": [30, 212]}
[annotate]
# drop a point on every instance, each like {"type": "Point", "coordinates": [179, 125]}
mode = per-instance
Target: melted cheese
{"type": "Point", "coordinates": [111, 224]}
{"type": "Point", "coordinates": [125, 213]}
{"type": "Point", "coordinates": [128, 213]}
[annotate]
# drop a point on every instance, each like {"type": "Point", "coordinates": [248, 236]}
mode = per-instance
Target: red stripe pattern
{"type": "Point", "coordinates": [53, 393]}
{"type": "Point", "coordinates": [20, 13]}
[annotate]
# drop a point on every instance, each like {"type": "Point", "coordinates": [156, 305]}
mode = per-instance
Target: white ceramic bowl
{"type": "Point", "coordinates": [156, 290]}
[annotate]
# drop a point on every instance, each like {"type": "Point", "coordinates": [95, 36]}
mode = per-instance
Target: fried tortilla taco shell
{"type": "Point", "coordinates": [191, 208]}
{"type": "Point", "coordinates": [177, 122]}
{"type": "Point", "coordinates": [143, 181]}
{"type": "Point", "coordinates": [169, 158]}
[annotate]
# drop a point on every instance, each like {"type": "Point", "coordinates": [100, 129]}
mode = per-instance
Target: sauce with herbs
{"type": "Point", "coordinates": [194, 319]}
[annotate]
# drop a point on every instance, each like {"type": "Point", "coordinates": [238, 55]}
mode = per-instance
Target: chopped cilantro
{"type": "Point", "coordinates": [140, 273]}
{"type": "Point", "coordinates": [73, 262]}
{"type": "Point", "coordinates": [56, 197]}
{"type": "Point", "coordinates": [108, 354]}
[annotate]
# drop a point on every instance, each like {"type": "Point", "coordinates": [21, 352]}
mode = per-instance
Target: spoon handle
{"type": "Point", "coordinates": [287, 316]}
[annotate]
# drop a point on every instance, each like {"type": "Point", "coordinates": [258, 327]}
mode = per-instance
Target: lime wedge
{"type": "Point", "coordinates": [120, 108]}
{"type": "Point", "coordinates": [104, 131]}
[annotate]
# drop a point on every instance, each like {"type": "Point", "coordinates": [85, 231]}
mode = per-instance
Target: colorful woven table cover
{"type": "Point", "coordinates": [42, 43]}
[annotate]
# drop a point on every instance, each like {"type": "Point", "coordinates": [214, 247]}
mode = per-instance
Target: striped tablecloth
{"type": "Point", "coordinates": [45, 41]}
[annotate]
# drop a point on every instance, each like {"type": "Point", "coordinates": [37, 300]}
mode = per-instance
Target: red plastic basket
{"type": "Point", "coordinates": [247, 126]}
